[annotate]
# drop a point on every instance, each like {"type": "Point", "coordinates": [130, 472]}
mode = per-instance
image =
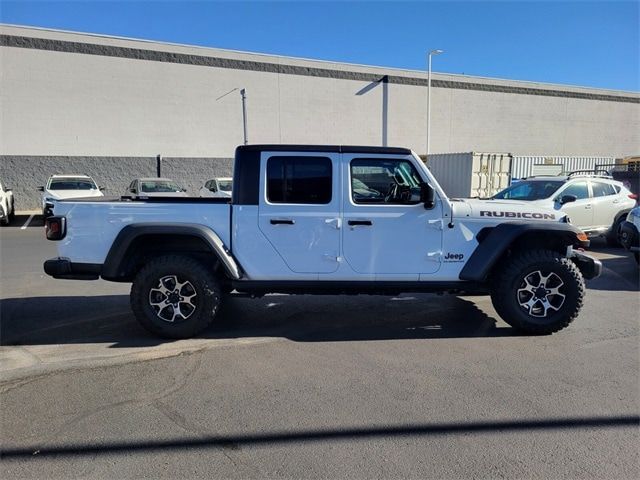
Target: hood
{"type": "Point", "coordinates": [65, 194]}
{"type": "Point", "coordinates": [504, 210]}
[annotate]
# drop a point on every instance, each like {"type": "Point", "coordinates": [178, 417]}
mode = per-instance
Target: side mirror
{"type": "Point", "coordinates": [183, 189]}
{"type": "Point", "coordinates": [8, 189]}
{"type": "Point", "coordinates": [567, 199]}
{"type": "Point", "coordinates": [40, 189]}
{"type": "Point", "coordinates": [132, 190]}
{"type": "Point", "coordinates": [101, 188]}
{"type": "Point", "coordinates": [427, 196]}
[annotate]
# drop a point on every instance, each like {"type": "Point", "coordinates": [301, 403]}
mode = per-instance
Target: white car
{"type": "Point", "coordinates": [156, 187]}
{"type": "Point", "coordinates": [63, 187]}
{"type": "Point", "coordinates": [217, 187]}
{"type": "Point", "coordinates": [629, 234]}
{"type": "Point", "coordinates": [595, 204]}
{"type": "Point", "coordinates": [7, 211]}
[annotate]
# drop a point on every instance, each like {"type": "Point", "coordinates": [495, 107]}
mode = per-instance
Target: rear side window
{"type": "Point", "coordinates": [579, 189]}
{"type": "Point", "coordinates": [299, 180]}
{"type": "Point", "coordinates": [601, 189]}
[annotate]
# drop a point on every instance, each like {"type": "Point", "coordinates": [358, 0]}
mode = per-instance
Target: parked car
{"type": "Point", "coordinates": [61, 187]}
{"type": "Point", "coordinates": [630, 233]}
{"type": "Point", "coordinates": [217, 187]}
{"type": "Point", "coordinates": [298, 225]}
{"type": "Point", "coordinates": [156, 187]}
{"type": "Point", "coordinates": [596, 204]}
{"type": "Point", "coordinates": [7, 210]}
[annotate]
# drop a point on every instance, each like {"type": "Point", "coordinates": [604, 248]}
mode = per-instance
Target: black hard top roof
{"type": "Point", "coordinates": [324, 148]}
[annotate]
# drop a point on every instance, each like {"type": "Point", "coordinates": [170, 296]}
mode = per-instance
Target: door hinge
{"type": "Point", "coordinates": [437, 223]}
{"type": "Point", "coordinates": [435, 256]}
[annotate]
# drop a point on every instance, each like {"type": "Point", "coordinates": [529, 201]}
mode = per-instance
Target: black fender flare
{"type": "Point", "coordinates": [501, 237]}
{"type": "Point", "coordinates": [126, 236]}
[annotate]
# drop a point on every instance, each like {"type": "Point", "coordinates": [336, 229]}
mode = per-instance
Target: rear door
{"type": "Point", "coordinates": [606, 204]}
{"type": "Point", "coordinates": [299, 210]}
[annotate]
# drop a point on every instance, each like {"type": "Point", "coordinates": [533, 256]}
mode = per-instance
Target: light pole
{"type": "Point", "coordinates": [243, 95]}
{"type": "Point", "coordinates": [429, 55]}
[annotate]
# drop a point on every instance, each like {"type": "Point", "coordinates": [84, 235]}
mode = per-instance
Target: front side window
{"type": "Point", "coordinates": [384, 181]}
{"type": "Point", "coordinates": [306, 180]}
{"type": "Point", "coordinates": [71, 183]}
{"type": "Point", "coordinates": [579, 189]}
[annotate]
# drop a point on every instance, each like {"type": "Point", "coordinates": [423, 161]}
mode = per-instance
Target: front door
{"type": "Point", "coordinates": [300, 209]}
{"type": "Point", "coordinates": [386, 229]}
{"type": "Point", "coordinates": [580, 212]}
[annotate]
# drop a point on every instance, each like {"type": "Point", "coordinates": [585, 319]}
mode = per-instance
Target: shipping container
{"type": "Point", "coordinates": [471, 174]}
{"type": "Point", "coordinates": [524, 166]}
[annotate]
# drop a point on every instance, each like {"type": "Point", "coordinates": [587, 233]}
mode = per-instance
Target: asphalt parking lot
{"type": "Point", "coordinates": [414, 386]}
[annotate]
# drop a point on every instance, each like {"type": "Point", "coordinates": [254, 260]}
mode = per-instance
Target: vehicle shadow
{"type": "Point", "coordinates": [620, 271]}
{"type": "Point", "coordinates": [20, 220]}
{"type": "Point", "coordinates": [108, 319]}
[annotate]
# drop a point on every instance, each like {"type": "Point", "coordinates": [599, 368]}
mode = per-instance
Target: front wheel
{"type": "Point", "coordinates": [538, 292]}
{"type": "Point", "coordinates": [175, 296]}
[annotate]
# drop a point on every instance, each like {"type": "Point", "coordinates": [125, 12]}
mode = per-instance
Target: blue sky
{"type": "Point", "coordinates": [580, 43]}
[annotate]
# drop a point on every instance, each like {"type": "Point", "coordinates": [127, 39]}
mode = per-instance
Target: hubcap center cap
{"type": "Point", "coordinates": [173, 297]}
{"type": "Point", "coordinates": [540, 292]}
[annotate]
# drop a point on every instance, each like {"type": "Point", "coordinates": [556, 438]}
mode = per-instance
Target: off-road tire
{"type": "Point", "coordinates": [12, 215]}
{"type": "Point", "coordinates": [612, 237]}
{"type": "Point", "coordinates": [510, 277]}
{"type": "Point", "coordinates": [201, 278]}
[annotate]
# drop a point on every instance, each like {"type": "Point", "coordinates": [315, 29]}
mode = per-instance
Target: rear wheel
{"type": "Point", "coordinates": [538, 292]}
{"type": "Point", "coordinates": [613, 235]}
{"type": "Point", "coordinates": [175, 296]}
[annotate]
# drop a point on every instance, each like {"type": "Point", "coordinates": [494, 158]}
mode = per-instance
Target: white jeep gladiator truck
{"type": "Point", "coordinates": [323, 220]}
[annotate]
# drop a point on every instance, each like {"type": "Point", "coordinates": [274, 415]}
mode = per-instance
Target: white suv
{"type": "Point", "coordinates": [596, 204]}
{"type": "Point", "coordinates": [217, 188]}
{"type": "Point", "coordinates": [7, 210]}
{"type": "Point", "coordinates": [61, 187]}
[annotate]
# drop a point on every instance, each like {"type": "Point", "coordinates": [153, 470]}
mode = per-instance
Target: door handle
{"type": "Point", "coordinates": [588, 207]}
{"type": "Point", "coordinates": [353, 223]}
{"type": "Point", "coordinates": [281, 221]}
{"type": "Point", "coordinates": [334, 222]}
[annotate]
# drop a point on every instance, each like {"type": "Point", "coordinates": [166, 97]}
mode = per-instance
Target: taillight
{"type": "Point", "coordinates": [55, 228]}
{"type": "Point", "coordinates": [633, 196]}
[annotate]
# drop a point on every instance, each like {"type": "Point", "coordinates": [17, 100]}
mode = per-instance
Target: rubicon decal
{"type": "Point", "coordinates": [536, 215]}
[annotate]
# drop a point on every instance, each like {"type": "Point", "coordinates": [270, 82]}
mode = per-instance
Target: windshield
{"type": "Point", "coordinates": [225, 185]}
{"type": "Point", "coordinates": [159, 186]}
{"type": "Point", "coordinates": [529, 190]}
{"type": "Point", "coordinates": [71, 183]}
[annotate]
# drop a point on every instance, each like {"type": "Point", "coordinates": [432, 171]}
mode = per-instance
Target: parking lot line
{"type": "Point", "coordinates": [26, 224]}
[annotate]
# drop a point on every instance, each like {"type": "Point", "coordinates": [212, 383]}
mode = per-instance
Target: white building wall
{"type": "Point", "coordinates": [83, 96]}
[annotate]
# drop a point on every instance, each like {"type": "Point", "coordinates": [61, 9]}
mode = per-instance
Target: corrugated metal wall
{"type": "Point", "coordinates": [523, 166]}
{"type": "Point", "coordinates": [471, 174]}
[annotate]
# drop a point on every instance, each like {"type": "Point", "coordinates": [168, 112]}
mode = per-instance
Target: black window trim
{"type": "Point", "coordinates": [398, 158]}
{"type": "Point", "coordinates": [297, 155]}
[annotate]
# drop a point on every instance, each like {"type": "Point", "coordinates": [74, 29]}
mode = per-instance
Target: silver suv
{"type": "Point", "coordinates": [596, 204]}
